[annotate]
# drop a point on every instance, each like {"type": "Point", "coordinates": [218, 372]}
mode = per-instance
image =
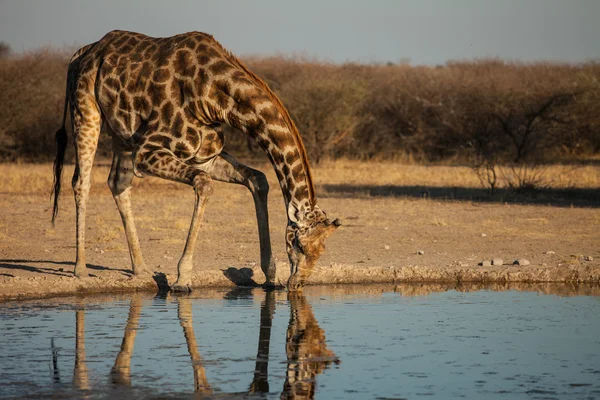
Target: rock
{"type": "Point", "coordinates": [483, 235]}
{"type": "Point", "coordinates": [420, 252]}
{"type": "Point", "coordinates": [497, 261]}
{"type": "Point", "coordinates": [521, 261]}
{"type": "Point", "coordinates": [549, 252]}
{"type": "Point", "coordinates": [588, 258]}
{"type": "Point", "coordinates": [386, 247]}
{"type": "Point", "coordinates": [485, 263]}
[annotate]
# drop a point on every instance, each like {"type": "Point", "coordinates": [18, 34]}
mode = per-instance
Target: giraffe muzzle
{"type": "Point", "coordinates": [294, 284]}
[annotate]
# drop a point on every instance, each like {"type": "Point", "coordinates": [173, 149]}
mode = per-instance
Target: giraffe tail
{"type": "Point", "coordinates": [61, 147]}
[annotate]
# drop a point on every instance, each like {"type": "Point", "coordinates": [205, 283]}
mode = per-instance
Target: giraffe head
{"type": "Point", "coordinates": [305, 242]}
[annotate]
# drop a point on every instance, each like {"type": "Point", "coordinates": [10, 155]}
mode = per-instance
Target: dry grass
{"type": "Point", "coordinates": [382, 173]}
{"type": "Point", "coordinates": [106, 232]}
{"type": "Point", "coordinates": [37, 178]}
{"type": "Point", "coordinates": [3, 232]}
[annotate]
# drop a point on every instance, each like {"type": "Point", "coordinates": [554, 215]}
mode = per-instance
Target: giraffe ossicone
{"type": "Point", "coordinates": [164, 101]}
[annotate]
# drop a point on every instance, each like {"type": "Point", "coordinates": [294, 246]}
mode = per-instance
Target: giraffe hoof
{"type": "Point", "coordinates": [178, 287]}
{"type": "Point", "coordinates": [142, 272]}
{"type": "Point", "coordinates": [80, 274]}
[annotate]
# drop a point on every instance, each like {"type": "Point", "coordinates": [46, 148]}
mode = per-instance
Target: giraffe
{"type": "Point", "coordinates": [260, 383]}
{"type": "Point", "coordinates": [305, 347]}
{"type": "Point", "coordinates": [164, 102]}
{"type": "Point", "coordinates": [306, 350]}
{"type": "Point", "coordinates": [184, 313]}
{"type": "Point", "coordinates": [121, 370]}
{"type": "Point", "coordinates": [80, 371]}
{"type": "Point", "coordinates": [120, 373]}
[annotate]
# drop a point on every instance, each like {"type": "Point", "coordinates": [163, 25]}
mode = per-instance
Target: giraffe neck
{"type": "Point", "coordinates": [241, 99]}
{"type": "Point", "coordinates": [287, 157]}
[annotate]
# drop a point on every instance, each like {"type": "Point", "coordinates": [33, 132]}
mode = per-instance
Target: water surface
{"type": "Point", "coordinates": [343, 342]}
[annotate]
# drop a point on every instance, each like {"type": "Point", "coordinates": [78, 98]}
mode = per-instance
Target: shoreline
{"type": "Point", "coordinates": [112, 281]}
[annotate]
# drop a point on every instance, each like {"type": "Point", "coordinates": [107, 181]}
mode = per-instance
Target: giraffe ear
{"type": "Point", "coordinates": [295, 214]}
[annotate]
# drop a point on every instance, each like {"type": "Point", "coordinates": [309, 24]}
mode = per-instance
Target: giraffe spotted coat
{"type": "Point", "coordinates": [164, 101]}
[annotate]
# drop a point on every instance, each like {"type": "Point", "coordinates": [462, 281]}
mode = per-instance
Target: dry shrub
{"type": "Point", "coordinates": [32, 87]}
{"type": "Point", "coordinates": [489, 111]}
{"type": "Point", "coordinates": [323, 102]}
{"type": "Point", "coordinates": [4, 49]}
{"type": "Point", "coordinates": [525, 177]}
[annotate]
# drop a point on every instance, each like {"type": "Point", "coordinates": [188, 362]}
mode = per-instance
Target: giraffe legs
{"type": "Point", "coordinates": [80, 371]}
{"type": "Point", "coordinates": [260, 383]}
{"type": "Point", "coordinates": [225, 168]}
{"type": "Point", "coordinates": [86, 128]}
{"type": "Point", "coordinates": [184, 312]}
{"type": "Point", "coordinates": [163, 163]}
{"type": "Point", "coordinates": [121, 370]}
{"type": "Point", "coordinates": [119, 182]}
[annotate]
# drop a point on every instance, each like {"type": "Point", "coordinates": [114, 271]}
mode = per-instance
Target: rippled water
{"type": "Point", "coordinates": [334, 342]}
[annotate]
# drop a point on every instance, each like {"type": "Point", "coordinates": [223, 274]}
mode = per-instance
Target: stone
{"type": "Point", "coordinates": [485, 263]}
{"type": "Point", "coordinates": [497, 261]}
{"type": "Point", "coordinates": [549, 252]}
{"type": "Point", "coordinates": [420, 252]}
{"type": "Point", "coordinates": [483, 235]}
{"type": "Point", "coordinates": [521, 261]}
{"type": "Point", "coordinates": [588, 258]}
{"type": "Point", "coordinates": [386, 247]}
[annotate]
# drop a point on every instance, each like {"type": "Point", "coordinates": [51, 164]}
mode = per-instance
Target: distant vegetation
{"type": "Point", "coordinates": [486, 112]}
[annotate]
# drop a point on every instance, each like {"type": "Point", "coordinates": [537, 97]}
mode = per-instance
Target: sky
{"type": "Point", "coordinates": [426, 32]}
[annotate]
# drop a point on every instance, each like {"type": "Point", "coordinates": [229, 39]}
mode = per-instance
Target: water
{"type": "Point", "coordinates": [345, 342]}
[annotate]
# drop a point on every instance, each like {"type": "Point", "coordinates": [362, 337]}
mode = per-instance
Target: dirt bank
{"type": "Point", "coordinates": [110, 281]}
{"type": "Point", "coordinates": [393, 237]}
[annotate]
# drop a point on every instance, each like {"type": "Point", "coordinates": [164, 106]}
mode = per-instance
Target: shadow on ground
{"type": "Point", "coordinates": [161, 282]}
{"type": "Point", "coordinates": [240, 276]}
{"type": "Point", "coordinates": [553, 197]}
{"type": "Point", "coordinates": [17, 264]}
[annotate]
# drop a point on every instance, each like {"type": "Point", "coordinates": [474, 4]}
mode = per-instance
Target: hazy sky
{"type": "Point", "coordinates": [422, 31]}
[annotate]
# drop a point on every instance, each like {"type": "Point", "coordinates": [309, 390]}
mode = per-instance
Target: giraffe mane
{"type": "Point", "coordinates": [286, 116]}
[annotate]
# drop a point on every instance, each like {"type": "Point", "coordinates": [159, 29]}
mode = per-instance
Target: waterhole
{"type": "Point", "coordinates": [332, 342]}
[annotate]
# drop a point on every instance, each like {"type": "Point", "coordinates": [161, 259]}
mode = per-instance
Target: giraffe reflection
{"type": "Point", "coordinates": [80, 371]}
{"type": "Point", "coordinates": [306, 350]}
{"type": "Point", "coordinates": [260, 383]}
{"type": "Point", "coordinates": [184, 312]}
{"type": "Point", "coordinates": [121, 370]}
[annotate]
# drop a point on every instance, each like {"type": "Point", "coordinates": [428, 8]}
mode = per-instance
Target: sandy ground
{"type": "Point", "coordinates": [379, 241]}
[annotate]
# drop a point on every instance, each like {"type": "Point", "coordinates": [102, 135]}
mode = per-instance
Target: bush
{"type": "Point", "coordinates": [486, 111]}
